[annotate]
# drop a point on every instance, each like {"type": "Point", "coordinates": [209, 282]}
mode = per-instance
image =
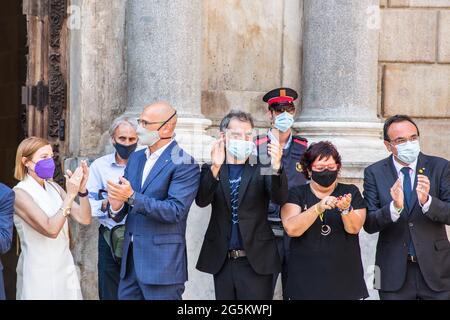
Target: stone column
{"type": "Point", "coordinates": [164, 54]}
{"type": "Point", "coordinates": [164, 63]}
{"type": "Point", "coordinates": [339, 81]}
{"type": "Point", "coordinates": [123, 56]}
{"type": "Point", "coordinates": [97, 90]}
{"type": "Point", "coordinates": [339, 89]}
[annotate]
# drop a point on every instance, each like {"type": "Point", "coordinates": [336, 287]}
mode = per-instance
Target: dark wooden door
{"type": "Point", "coordinates": [45, 93]}
{"type": "Point", "coordinates": [33, 86]}
{"type": "Point", "coordinates": [12, 115]}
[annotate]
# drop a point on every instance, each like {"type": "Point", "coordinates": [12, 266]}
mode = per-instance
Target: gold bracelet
{"type": "Point", "coordinates": [66, 211]}
{"type": "Point", "coordinates": [317, 210]}
{"type": "Point", "coordinates": [320, 214]}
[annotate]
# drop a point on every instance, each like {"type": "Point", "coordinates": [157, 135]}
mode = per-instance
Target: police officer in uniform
{"type": "Point", "coordinates": [281, 111]}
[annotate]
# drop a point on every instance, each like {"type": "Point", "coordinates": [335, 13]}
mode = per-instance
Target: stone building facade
{"type": "Point", "coordinates": [414, 66]}
{"type": "Point", "coordinates": [354, 63]}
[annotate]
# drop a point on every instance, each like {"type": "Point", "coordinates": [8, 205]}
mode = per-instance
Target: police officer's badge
{"type": "Point", "coordinates": [298, 167]}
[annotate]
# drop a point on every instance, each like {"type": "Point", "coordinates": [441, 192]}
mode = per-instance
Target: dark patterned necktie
{"type": "Point", "coordinates": [407, 188]}
{"type": "Point", "coordinates": [407, 192]}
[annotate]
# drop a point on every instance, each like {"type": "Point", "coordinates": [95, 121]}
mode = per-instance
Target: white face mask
{"type": "Point", "coordinates": [408, 151]}
{"type": "Point", "coordinates": [149, 138]}
{"type": "Point", "coordinates": [240, 149]}
{"type": "Point", "coordinates": [146, 137]}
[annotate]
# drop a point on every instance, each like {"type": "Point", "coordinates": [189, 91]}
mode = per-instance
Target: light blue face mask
{"type": "Point", "coordinates": [284, 121]}
{"type": "Point", "coordinates": [408, 151]}
{"type": "Point", "coordinates": [240, 149]}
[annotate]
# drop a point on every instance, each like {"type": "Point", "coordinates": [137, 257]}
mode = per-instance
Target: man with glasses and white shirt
{"type": "Point", "coordinates": [155, 194]}
{"type": "Point", "coordinates": [110, 167]}
{"type": "Point", "coordinates": [408, 199]}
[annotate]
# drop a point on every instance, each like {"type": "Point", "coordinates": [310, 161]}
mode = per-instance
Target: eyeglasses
{"type": "Point", "coordinates": [331, 167]}
{"type": "Point", "coordinates": [145, 123]}
{"type": "Point", "coordinates": [404, 140]}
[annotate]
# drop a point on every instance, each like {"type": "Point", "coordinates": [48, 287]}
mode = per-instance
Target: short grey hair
{"type": "Point", "coordinates": [235, 114]}
{"type": "Point", "coordinates": [122, 120]}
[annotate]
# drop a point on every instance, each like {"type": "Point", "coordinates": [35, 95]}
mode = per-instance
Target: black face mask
{"type": "Point", "coordinates": [124, 151]}
{"type": "Point", "coordinates": [324, 178]}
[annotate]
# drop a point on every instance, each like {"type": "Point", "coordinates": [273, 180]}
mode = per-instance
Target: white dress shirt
{"type": "Point", "coordinates": [149, 164]}
{"type": "Point", "coordinates": [101, 170]}
{"type": "Point", "coordinates": [151, 160]}
{"type": "Point", "coordinates": [412, 175]}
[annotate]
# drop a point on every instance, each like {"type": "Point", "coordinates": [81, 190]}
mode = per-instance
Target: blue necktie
{"type": "Point", "coordinates": [407, 188]}
{"type": "Point", "coordinates": [407, 192]}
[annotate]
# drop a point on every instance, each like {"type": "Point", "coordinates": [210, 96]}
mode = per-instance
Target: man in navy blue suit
{"type": "Point", "coordinates": [6, 227]}
{"type": "Point", "coordinates": [408, 203]}
{"type": "Point", "coordinates": [156, 192]}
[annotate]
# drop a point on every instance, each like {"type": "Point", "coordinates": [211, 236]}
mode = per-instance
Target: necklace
{"type": "Point", "coordinates": [325, 229]}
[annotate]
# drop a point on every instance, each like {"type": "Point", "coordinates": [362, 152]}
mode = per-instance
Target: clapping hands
{"type": "Point", "coordinates": [397, 194]}
{"type": "Point", "coordinates": [331, 202]}
{"type": "Point", "coordinates": [76, 181]}
{"type": "Point", "coordinates": [344, 202]}
{"type": "Point", "coordinates": [276, 153]}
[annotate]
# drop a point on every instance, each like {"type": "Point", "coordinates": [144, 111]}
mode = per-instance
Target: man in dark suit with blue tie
{"type": "Point", "coordinates": [6, 227]}
{"type": "Point", "coordinates": [408, 200]}
{"type": "Point", "coordinates": [156, 193]}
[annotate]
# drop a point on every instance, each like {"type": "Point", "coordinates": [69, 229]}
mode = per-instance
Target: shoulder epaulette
{"type": "Point", "coordinates": [261, 139]}
{"type": "Point", "coordinates": [300, 140]}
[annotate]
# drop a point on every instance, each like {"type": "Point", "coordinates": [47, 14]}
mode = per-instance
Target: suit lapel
{"type": "Point", "coordinates": [162, 161]}
{"type": "Point", "coordinates": [140, 168]}
{"type": "Point", "coordinates": [246, 177]}
{"type": "Point", "coordinates": [392, 175]}
{"type": "Point", "coordinates": [224, 181]}
{"type": "Point", "coordinates": [421, 163]}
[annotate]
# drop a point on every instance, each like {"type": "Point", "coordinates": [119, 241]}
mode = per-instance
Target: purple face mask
{"type": "Point", "coordinates": [45, 168]}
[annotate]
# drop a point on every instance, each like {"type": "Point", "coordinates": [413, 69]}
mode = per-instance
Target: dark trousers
{"type": "Point", "coordinates": [414, 288]}
{"type": "Point", "coordinates": [108, 270]}
{"type": "Point", "coordinates": [130, 288]}
{"type": "Point", "coordinates": [238, 281]}
{"type": "Point", "coordinates": [283, 251]}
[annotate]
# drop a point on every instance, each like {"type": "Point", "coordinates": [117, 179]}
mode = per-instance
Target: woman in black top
{"type": "Point", "coordinates": [324, 218]}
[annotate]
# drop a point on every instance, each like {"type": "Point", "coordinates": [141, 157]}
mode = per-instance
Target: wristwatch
{"type": "Point", "coordinates": [84, 194]}
{"type": "Point", "coordinates": [398, 211]}
{"type": "Point", "coordinates": [66, 211]}
{"type": "Point", "coordinates": [131, 199]}
{"type": "Point", "coordinates": [347, 211]}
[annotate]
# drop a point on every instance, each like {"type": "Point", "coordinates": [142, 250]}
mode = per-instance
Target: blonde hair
{"type": "Point", "coordinates": [27, 148]}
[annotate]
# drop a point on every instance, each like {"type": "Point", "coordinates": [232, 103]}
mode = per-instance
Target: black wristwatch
{"type": "Point", "coordinates": [82, 195]}
{"type": "Point", "coordinates": [130, 200]}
